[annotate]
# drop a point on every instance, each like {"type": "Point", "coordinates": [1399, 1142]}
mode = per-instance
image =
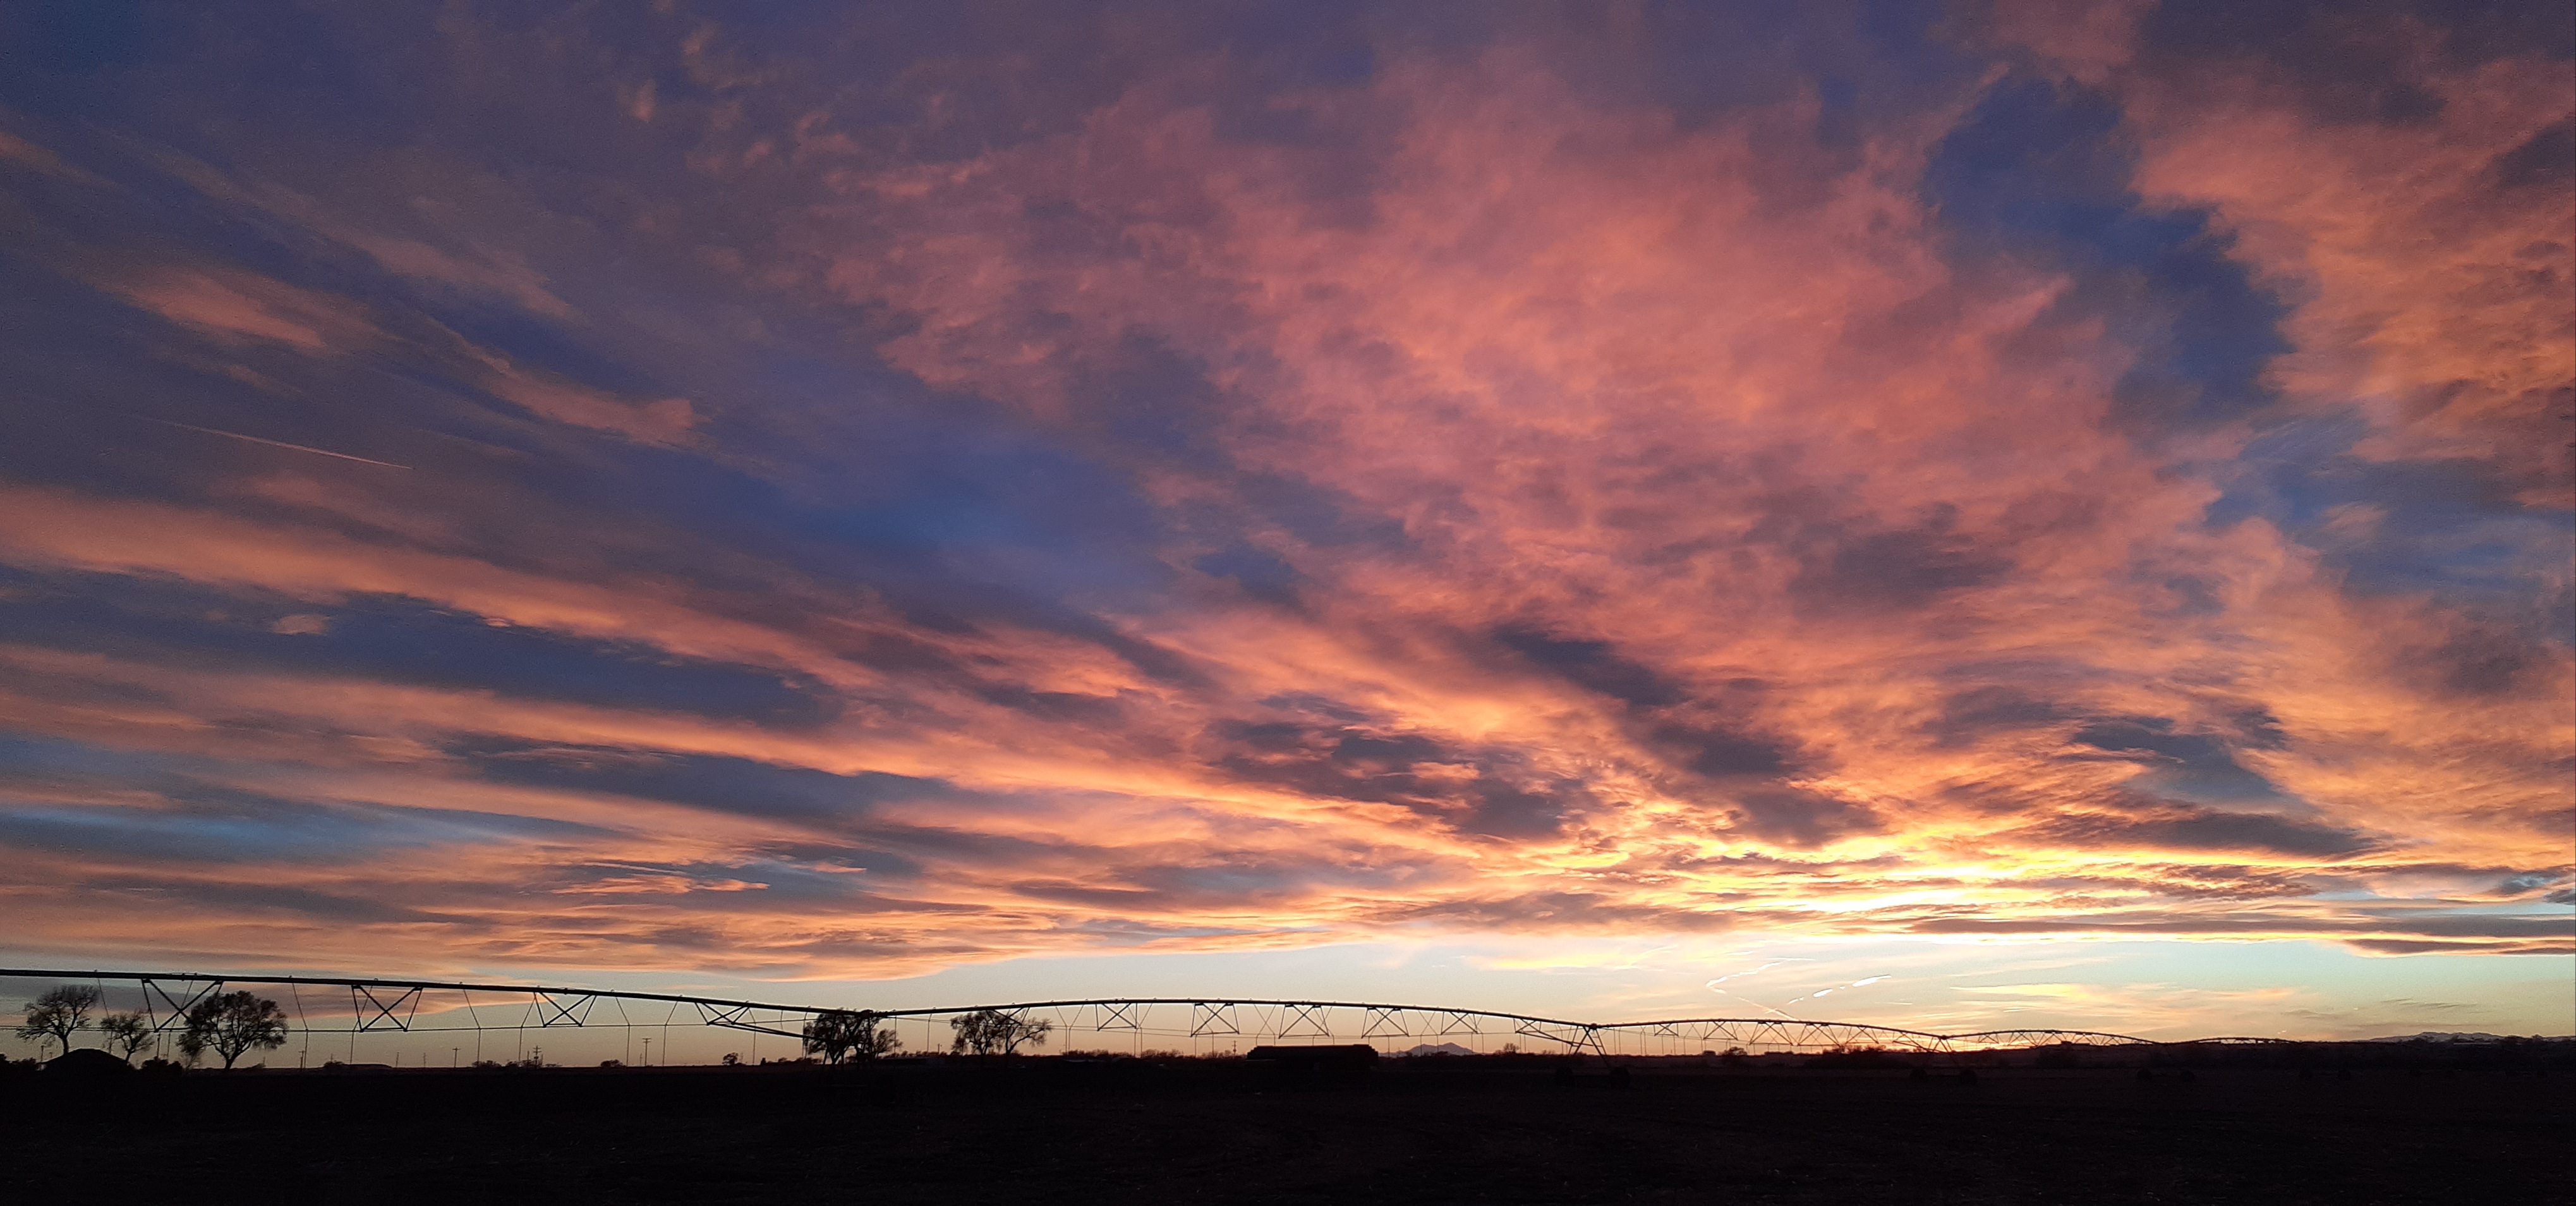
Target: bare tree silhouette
{"type": "Point", "coordinates": [57, 1014]}
{"type": "Point", "coordinates": [125, 1033]}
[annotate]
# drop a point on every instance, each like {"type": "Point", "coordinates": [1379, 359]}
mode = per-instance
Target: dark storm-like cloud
{"type": "Point", "coordinates": [2190, 765]}
{"type": "Point", "coordinates": [216, 825]}
{"type": "Point", "coordinates": [703, 781]}
{"type": "Point", "coordinates": [1802, 819]}
{"type": "Point", "coordinates": [2197, 829]}
{"type": "Point", "coordinates": [1484, 792]}
{"type": "Point", "coordinates": [397, 641]}
{"type": "Point", "coordinates": [1975, 712]}
{"type": "Point", "coordinates": [1593, 665]}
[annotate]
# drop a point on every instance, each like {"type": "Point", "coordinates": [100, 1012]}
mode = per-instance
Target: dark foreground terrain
{"type": "Point", "coordinates": [1143, 1134]}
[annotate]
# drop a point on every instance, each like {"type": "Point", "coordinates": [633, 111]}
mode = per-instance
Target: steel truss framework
{"type": "Point", "coordinates": [396, 1005]}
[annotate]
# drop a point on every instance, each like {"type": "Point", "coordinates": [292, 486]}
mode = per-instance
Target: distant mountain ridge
{"type": "Point", "coordinates": [2466, 1036]}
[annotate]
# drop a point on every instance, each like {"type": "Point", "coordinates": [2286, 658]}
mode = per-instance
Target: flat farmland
{"type": "Point", "coordinates": [1138, 1132]}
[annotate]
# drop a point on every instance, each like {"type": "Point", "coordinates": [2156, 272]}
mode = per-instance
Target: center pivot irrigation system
{"type": "Point", "coordinates": [429, 1009]}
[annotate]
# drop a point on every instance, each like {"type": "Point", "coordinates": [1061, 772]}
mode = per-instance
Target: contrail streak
{"type": "Point", "coordinates": [277, 443]}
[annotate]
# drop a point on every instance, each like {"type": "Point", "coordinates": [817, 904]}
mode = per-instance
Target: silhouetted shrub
{"type": "Point", "coordinates": [1855, 1057]}
{"type": "Point", "coordinates": [2061, 1055]}
{"type": "Point", "coordinates": [87, 1062]}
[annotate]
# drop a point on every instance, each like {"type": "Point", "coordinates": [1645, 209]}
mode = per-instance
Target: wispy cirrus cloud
{"type": "Point", "coordinates": [1414, 483]}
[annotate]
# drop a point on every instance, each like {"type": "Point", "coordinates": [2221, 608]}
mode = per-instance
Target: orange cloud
{"type": "Point", "coordinates": [1711, 552]}
{"type": "Point", "coordinates": [2428, 255]}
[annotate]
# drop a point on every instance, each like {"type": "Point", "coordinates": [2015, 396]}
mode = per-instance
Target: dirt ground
{"type": "Point", "coordinates": [1408, 1131]}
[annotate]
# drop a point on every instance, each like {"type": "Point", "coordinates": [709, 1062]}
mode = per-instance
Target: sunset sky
{"type": "Point", "coordinates": [2003, 513]}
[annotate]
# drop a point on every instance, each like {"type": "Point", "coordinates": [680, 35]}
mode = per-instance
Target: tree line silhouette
{"type": "Point", "coordinates": [233, 1024]}
{"type": "Point", "coordinates": [841, 1035]}
{"type": "Point", "coordinates": [230, 1024]}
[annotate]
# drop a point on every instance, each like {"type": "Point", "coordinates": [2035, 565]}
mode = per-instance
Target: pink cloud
{"type": "Point", "coordinates": [660, 421]}
{"type": "Point", "coordinates": [237, 307]}
{"type": "Point", "coordinates": [1749, 565]}
{"type": "Point", "coordinates": [2428, 260]}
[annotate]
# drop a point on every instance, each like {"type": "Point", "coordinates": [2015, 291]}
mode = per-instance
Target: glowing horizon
{"type": "Point", "coordinates": [2011, 508]}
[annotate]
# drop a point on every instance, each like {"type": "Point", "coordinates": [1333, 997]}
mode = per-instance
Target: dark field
{"type": "Point", "coordinates": [1143, 1134]}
